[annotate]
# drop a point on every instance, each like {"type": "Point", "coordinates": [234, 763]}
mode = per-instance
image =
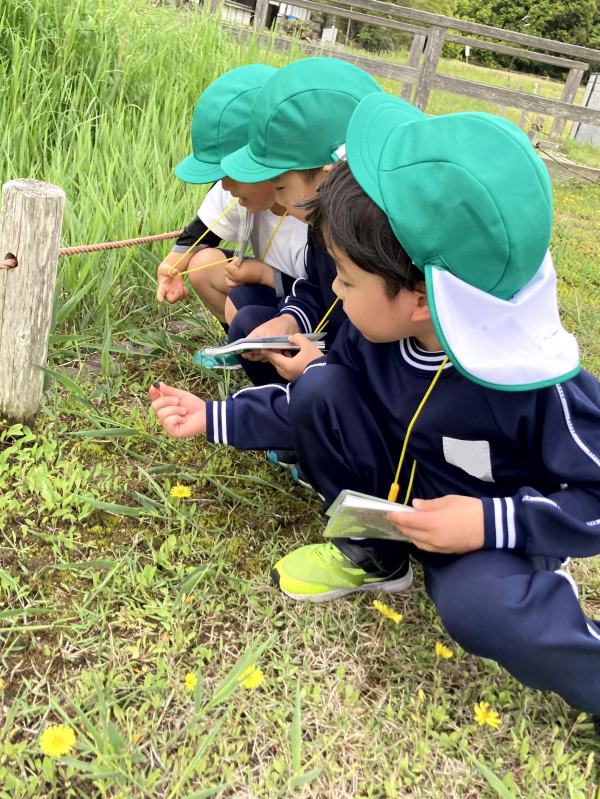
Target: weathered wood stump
{"type": "Point", "coordinates": [30, 228]}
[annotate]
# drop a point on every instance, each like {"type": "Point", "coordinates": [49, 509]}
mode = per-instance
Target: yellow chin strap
{"type": "Point", "coordinates": [395, 487]}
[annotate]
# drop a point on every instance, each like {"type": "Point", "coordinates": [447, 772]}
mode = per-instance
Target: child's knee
{"type": "Point", "coordinates": [483, 611]}
{"type": "Point", "coordinates": [230, 312]}
{"type": "Point", "coordinates": [200, 273]}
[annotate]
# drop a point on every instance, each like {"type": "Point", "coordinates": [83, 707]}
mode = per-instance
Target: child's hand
{"type": "Point", "coordinates": [291, 365]}
{"type": "Point", "coordinates": [284, 325]}
{"type": "Point", "coordinates": [170, 286]}
{"type": "Point", "coordinates": [251, 272]}
{"type": "Point", "coordinates": [180, 413]}
{"type": "Point", "coordinates": [451, 525]}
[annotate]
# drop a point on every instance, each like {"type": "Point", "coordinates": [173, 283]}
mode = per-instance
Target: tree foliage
{"type": "Point", "coordinates": [377, 39]}
{"type": "Point", "coordinates": [572, 21]}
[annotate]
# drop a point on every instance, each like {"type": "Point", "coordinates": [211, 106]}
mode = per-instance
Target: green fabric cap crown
{"type": "Point", "coordinates": [465, 192]}
{"type": "Point", "coordinates": [300, 118]}
{"type": "Point", "coordinates": [220, 122]}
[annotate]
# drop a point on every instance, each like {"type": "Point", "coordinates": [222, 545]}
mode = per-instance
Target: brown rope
{"type": "Point", "coordinates": [114, 245]}
{"type": "Point", "coordinates": [564, 166]}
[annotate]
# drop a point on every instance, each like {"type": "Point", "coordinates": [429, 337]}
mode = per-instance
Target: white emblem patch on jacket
{"type": "Point", "coordinates": [473, 457]}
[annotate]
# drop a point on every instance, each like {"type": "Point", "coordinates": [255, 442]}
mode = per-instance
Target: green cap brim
{"type": "Point", "coordinates": [242, 167]}
{"type": "Point", "coordinates": [377, 116]}
{"type": "Point", "coordinates": [191, 170]}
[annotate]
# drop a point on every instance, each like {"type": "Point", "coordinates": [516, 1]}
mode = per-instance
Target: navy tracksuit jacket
{"type": "Point", "coordinates": [533, 458]}
{"type": "Point", "coordinates": [310, 299]}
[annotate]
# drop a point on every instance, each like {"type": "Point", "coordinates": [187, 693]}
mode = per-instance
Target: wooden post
{"type": "Point", "coordinates": [30, 228]}
{"type": "Point", "coordinates": [416, 48]}
{"type": "Point", "coordinates": [568, 96]}
{"type": "Point", "coordinates": [523, 120]}
{"type": "Point", "coordinates": [260, 14]}
{"type": "Point", "coordinates": [433, 49]}
{"type": "Point", "coordinates": [535, 131]}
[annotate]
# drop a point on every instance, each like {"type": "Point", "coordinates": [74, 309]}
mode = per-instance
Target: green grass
{"type": "Point", "coordinates": [587, 154]}
{"type": "Point", "coordinates": [113, 591]}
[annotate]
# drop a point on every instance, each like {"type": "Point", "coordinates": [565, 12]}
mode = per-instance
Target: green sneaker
{"type": "Point", "coordinates": [321, 572]}
{"type": "Point", "coordinates": [230, 361]}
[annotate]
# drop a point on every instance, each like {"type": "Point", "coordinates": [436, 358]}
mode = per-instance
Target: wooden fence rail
{"type": "Point", "coordinates": [464, 26]}
{"type": "Point", "coordinates": [429, 35]}
{"type": "Point", "coordinates": [411, 75]}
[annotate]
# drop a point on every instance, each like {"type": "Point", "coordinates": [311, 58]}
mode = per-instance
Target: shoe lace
{"type": "Point", "coordinates": [331, 555]}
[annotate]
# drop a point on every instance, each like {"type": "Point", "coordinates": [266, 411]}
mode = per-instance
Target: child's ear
{"type": "Point", "coordinates": [421, 312]}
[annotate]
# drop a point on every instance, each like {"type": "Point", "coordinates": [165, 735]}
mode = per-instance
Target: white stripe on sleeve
{"type": "Point", "coordinates": [215, 422]}
{"type": "Point", "coordinates": [293, 309]}
{"type": "Point", "coordinates": [224, 421]}
{"type": "Point", "coordinates": [257, 388]}
{"type": "Point", "coordinates": [510, 523]}
{"type": "Point", "coordinates": [498, 522]}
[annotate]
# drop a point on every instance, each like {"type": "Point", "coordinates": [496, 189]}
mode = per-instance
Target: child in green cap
{"type": "Point", "coordinates": [219, 127]}
{"type": "Point", "coordinates": [454, 387]}
{"type": "Point", "coordinates": [298, 122]}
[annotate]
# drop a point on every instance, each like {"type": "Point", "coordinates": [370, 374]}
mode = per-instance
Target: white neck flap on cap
{"type": "Point", "coordinates": [511, 345]}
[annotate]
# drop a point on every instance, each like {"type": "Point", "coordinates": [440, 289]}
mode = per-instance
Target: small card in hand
{"type": "Point", "coordinates": [265, 343]}
{"type": "Point", "coordinates": [355, 515]}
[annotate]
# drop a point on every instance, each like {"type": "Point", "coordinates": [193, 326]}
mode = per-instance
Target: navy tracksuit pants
{"type": "Point", "coordinates": [496, 604]}
{"type": "Point", "coordinates": [255, 306]}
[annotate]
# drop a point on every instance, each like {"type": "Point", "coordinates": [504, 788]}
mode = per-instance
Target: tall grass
{"type": "Point", "coordinates": [97, 96]}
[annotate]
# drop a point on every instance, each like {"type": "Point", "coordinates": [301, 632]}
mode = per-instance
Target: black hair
{"type": "Point", "coordinates": [349, 219]}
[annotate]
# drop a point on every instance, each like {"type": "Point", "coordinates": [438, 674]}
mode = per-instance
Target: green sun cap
{"type": "Point", "coordinates": [463, 192]}
{"type": "Point", "coordinates": [471, 203]}
{"type": "Point", "coordinates": [300, 118]}
{"type": "Point", "coordinates": [220, 122]}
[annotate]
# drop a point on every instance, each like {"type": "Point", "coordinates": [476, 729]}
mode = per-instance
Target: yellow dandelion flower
{"type": "Point", "coordinates": [421, 694]}
{"type": "Point", "coordinates": [248, 671]}
{"type": "Point", "coordinates": [190, 681]}
{"type": "Point", "coordinates": [1, 684]}
{"type": "Point", "coordinates": [485, 716]}
{"type": "Point", "coordinates": [182, 492]}
{"type": "Point", "coordinates": [387, 612]}
{"type": "Point", "coordinates": [57, 741]}
{"type": "Point", "coordinates": [254, 679]}
{"type": "Point", "coordinates": [442, 651]}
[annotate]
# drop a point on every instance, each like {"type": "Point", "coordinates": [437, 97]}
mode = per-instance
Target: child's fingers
{"type": "Point", "coordinates": [173, 425]}
{"type": "Point", "coordinates": [172, 391]}
{"type": "Point", "coordinates": [277, 358]}
{"type": "Point", "coordinates": [163, 400]}
{"type": "Point", "coordinates": [416, 525]}
{"type": "Point", "coordinates": [171, 412]}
